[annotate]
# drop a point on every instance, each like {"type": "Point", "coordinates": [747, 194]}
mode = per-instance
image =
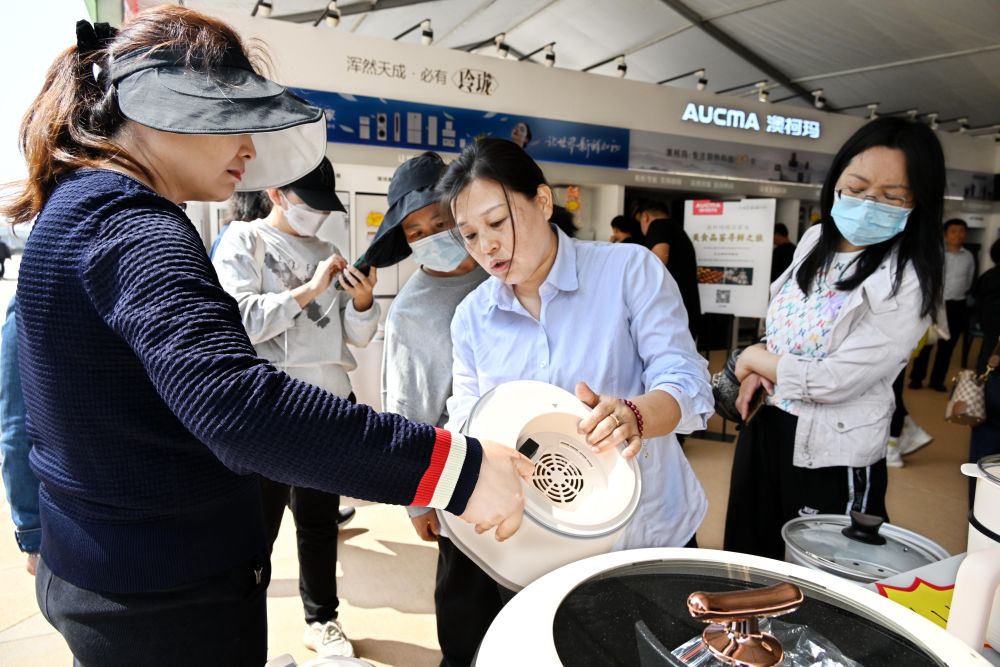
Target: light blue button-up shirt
{"type": "Point", "coordinates": [612, 317]}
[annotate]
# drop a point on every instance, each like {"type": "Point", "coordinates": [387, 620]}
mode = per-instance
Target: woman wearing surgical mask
{"type": "Point", "coordinates": [280, 274]}
{"type": "Point", "coordinates": [842, 321]}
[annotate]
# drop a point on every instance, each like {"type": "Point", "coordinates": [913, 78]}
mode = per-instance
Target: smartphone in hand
{"type": "Point", "coordinates": [360, 265]}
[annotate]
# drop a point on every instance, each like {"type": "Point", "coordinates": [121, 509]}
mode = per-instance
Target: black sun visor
{"type": "Point", "coordinates": [156, 89]}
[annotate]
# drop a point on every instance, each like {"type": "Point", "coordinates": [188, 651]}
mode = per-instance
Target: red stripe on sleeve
{"type": "Point", "coordinates": [428, 483]}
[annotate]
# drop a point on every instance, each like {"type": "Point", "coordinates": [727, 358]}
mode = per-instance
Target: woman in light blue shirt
{"type": "Point", "coordinates": [603, 320]}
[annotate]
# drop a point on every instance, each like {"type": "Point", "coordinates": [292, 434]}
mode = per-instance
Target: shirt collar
{"type": "Point", "coordinates": [562, 276]}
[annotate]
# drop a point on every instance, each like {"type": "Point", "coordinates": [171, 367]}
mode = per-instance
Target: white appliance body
{"type": "Point", "coordinates": [577, 503]}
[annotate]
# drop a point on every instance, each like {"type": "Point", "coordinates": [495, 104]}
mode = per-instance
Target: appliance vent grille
{"type": "Point", "coordinates": [558, 478]}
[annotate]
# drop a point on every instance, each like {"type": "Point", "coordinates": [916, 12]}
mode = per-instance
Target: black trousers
{"type": "Point", "coordinates": [766, 490]}
{"type": "Point", "coordinates": [315, 513]}
{"type": "Point", "coordinates": [221, 621]}
{"type": "Point", "coordinates": [958, 320]}
{"type": "Point", "coordinates": [900, 412]}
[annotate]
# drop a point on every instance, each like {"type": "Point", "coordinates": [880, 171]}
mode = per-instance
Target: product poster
{"type": "Point", "coordinates": [732, 244]}
{"type": "Point", "coordinates": [376, 121]}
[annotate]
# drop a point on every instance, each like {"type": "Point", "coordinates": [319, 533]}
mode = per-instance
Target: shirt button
{"type": "Point", "coordinates": [543, 364]}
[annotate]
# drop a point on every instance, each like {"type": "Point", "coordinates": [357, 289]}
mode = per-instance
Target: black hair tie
{"type": "Point", "coordinates": [92, 37]}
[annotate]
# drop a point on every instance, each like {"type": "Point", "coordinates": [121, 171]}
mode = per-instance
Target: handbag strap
{"type": "Point", "coordinates": [993, 362]}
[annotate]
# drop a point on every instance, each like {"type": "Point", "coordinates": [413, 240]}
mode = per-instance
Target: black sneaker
{"type": "Point", "coordinates": [344, 515]}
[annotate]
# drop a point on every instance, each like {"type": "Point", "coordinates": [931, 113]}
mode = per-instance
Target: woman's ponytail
{"type": "Point", "coordinates": [70, 124]}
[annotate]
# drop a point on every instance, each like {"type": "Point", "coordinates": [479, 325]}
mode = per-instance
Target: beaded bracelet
{"type": "Point", "coordinates": [638, 415]}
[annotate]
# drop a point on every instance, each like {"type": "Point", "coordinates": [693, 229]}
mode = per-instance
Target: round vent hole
{"type": "Point", "coordinates": [558, 478]}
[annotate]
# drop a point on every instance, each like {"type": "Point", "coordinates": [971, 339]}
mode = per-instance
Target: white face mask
{"type": "Point", "coordinates": [439, 252]}
{"type": "Point", "coordinates": [305, 220]}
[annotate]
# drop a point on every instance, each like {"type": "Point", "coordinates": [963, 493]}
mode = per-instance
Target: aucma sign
{"type": "Point", "coordinates": [707, 114]}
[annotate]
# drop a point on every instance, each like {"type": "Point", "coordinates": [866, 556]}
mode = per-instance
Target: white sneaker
{"type": "Point", "coordinates": [328, 640]}
{"type": "Point", "coordinates": [913, 437]}
{"type": "Point", "coordinates": [893, 458]}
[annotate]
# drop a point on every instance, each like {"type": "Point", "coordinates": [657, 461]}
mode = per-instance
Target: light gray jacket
{"type": "Point", "coordinates": [846, 398]}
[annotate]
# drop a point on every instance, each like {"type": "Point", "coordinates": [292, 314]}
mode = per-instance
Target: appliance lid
{"type": "Point", "coordinates": [592, 610]}
{"type": "Point", "coordinates": [846, 546]}
{"type": "Point", "coordinates": [573, 491]}
{"type": "Point", "coordinates": [990, 465]}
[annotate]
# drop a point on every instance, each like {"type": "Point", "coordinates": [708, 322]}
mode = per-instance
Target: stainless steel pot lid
{"type": "Point", "coordinates": [990, 465]}
{"type": "Point", "coordinates": [859, 547]}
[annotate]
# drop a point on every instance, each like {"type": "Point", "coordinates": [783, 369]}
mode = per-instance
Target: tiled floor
{"type": "Point", "coordinates": [386, 574]}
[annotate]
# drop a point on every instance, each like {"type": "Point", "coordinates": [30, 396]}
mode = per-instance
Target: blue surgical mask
{"type": "Point", "coordinates": [439, 252]}
{"type": "Point", "coordinates": [864, 222]}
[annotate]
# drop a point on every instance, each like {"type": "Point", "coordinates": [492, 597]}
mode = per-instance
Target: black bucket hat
{"type": "Point", "coordinates": [157, 89]}
{"type": "Point", "coordinates": [318, 188]}
{"type": "Point", "coordinates": [411, 189]}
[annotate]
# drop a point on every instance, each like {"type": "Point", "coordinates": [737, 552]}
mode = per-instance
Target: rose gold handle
{"type": "Point", "coordinates": [762, 602]}
{"type": "Point", "coordinates": [734, 635]}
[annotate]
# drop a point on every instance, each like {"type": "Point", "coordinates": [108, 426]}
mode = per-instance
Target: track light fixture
{"type": "Point", "coordinates": [550, 54]}
{"type": "Point", "coordinates": [763, 94]}
{"type": "Point", "coordinates": [933, 120]}
{"type": "Point", "coordinates": [963, 125]}
{"type": "Point", "coordinates": [743, 86]}
{"type": "Point", "coordinates": [622, 66]}
{"type": "Point", "coordinates": [262, 7]}
{"type": "Point", "coordinates": [502, 49]}
{"type": "Point", "coordinates": [700, 73]}
{"type": "Point", "coordinates": [818, 100]}
{"type": "Point", "coordinates": [426, 32]}
{"type": "Point", "coordinates": [331, 15]}
{"type": "Point", "coordinates": [873, 110]}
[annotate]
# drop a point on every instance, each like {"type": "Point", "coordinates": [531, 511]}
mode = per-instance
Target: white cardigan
{"type": "Point", "coordinates": [846, 397]}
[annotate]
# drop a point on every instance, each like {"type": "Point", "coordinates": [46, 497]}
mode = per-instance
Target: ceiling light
{"type": "Point", "coordinates": [963, 125]}
{"type": "Point", "coordinates": [934, 120]}
{"type": "Point", "coordinates": [550, 55]}
{"type": "Point", "coordinates": [262, 7]}
{"type": "Point", "coordinates": [332, 14]}
{"type": "Point", "coordinates": [502, 49]}
{"type": "Point", "coordinates": [702, 82]}
{"type": "Point", "coordinates": [818, 100]}
{"type": "Point", "coordinates": [426, 32]}
{"type": "Point", "coordinates": [873, 110]}
{"type": "Point", "coordinates": [622, 66]}
{"type": "Point", "coordinates": [763, 95]}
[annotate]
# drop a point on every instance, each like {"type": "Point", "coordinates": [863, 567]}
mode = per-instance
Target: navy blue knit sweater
{"type": "Point", "coordinates": [150, 410]}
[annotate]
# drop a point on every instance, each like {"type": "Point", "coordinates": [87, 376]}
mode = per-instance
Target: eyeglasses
{"type": "Point", "coordinates": [896, 201]}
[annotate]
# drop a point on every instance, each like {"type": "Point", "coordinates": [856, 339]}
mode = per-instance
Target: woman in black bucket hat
{"type": "Point", "coordinates": [149, 410]}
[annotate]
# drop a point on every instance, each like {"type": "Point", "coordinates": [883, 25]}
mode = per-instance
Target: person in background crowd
{"type": "Point", "coordinates": [842, 322]}
{"type": "Point", "coordinates": [19, 480]}
{"type": "Point", "coordinates": [985, 438]}
{"type": "Point", "coordinates": [4, 256]}
{"type": "Point", "coordinates": [959, 272]}
{"type": "Point", "coordinates": [563, 218]}
{"type": "Point", "coordinates": [986, 291]}
{"type": "Point", "coordinates": [280, 275]}
{"type": "Point", "coordinates": [625, 230]}
{"type": "Point", "coordinates": [243, 206]}
{"type": "Point", "coordinates": [149, 406]}
{"type": "Point", "coordinates": [523, 324]}
{"type": "Point", "coordinates": [521, 134]}
{"type": "Point", "coordinates": [905, 435]}
{"type": "Point", "coordinates": [668, 241]}
{"type": "Point", "coordinates": [784, 250]}
{"type": "Point", "coordinates": [416, 376]}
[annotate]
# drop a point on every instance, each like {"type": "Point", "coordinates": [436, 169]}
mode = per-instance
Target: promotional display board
{"type": "Point", "coordinates": [732, 243]}
{"type": "Point", "coordinates": [377, 121]}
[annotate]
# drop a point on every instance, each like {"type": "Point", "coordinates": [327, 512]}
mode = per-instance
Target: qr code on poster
{"type": "Point", "coordinates": [722, 296]}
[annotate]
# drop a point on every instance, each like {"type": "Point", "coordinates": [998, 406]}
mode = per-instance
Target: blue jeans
{"type": "Point", "coordinates": [18, 478]}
